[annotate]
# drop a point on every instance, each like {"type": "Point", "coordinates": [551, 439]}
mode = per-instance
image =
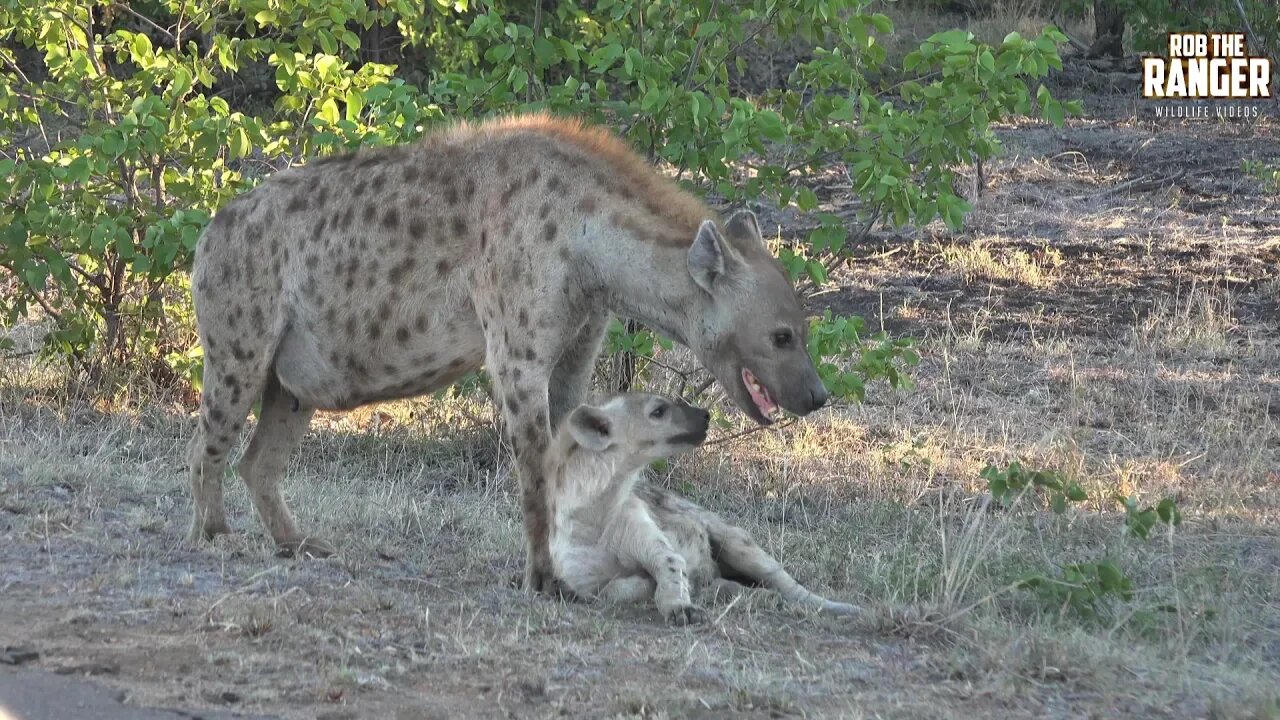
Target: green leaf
{"type": "Point", "coordinates": [238, 144]}
{"type": "Point", "coordinates": [265, 17]}
{"type": "Point", "coordinates": [806, 199]}
{"type": "Point", "coordinates": [1053, 113]}
{"type": "Point", "coordinates": [329, 111]}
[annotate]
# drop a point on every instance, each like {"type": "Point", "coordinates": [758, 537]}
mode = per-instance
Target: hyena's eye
{"type": "Point", "coordinates": [658, 412]}
{"type": "Point", "coordinates": [782, 339]}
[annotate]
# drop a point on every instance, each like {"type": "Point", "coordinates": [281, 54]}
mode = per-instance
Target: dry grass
{"type": "Point", "coordinates": [880, 504]}
{"type": "Point", "coordinates": [1131, 342]}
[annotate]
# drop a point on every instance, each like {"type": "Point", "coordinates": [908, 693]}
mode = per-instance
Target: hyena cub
{"type": "Point", "coordinates": [615, 537]}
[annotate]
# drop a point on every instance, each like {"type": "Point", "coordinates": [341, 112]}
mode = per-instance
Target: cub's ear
{"type": "Point", "coordinates": [707, 261]}
{"type": "Point", "coordinates": [744, 227]}
{"type": "Point", "coordinates": [591, 428]}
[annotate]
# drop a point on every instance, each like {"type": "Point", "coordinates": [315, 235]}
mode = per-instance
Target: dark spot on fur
{"type": "Point", "coordinates": [359, 189]}
{"type": "Point", "coordinates": [417, 228]}
{"type": "Point", "coordinates": [297, 203]}
{"type": "Point", "coordinates": [549, 231]}
{"type": "Point", "coordinates": [544, 211]}
{"type": "Point", "coordinates": [524, 318]}
{"type": "Point", "coordinates": [451, 195]}
{"type": "Point", "coordinates": [554, 184]}
{"type": "Point", "coordinates": [442, 267]}
{"type": "Point", "coordinates": [375, 331]}
{"type": "Point", "coordinates": [459, 226]}
{"type": "Point", "coordinates": [391, 218]}
{"type": "Point", "coordinates": [513, 406]}
{"type": "Point", "coordinates": [530, 355]}
{"type": "Point", "coordinates": [357, 366]}
{"type": "Point", "coordinates": [411, 173]}
{"type": "Point", "coordinates": [420, 322]}
{"type": "Point", "coordinates": [534, 174]}
{"type": "Point", "coordinates": [470, 190]}
{"type": "Point", "coordinates": [378, 182]}
{"type": "Point", "coordinates": [370, 212]}
{"type": "Point", "coordinates": [312, 261]}
{"type": "Point", "coordinates": [484, 240]}
{"type": "Point", "coordinates": [384, 310]}
{"type": "Point", "coordinates": [404, 267]}
{"type": "Point", "coordinates": [402, 335]}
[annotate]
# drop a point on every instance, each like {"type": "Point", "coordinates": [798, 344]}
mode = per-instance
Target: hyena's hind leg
{"type": "Point", "coordinates": [740, 558]}
{"type": "Point", "coordinates": [281, 425]}
{"type": "Point", "coordinates": [629, 589]}
{"type": "Point", "coordinates": [230, 388]}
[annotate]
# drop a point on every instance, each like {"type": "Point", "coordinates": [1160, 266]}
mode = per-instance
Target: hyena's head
{"type": "Point", "coordinates": [638, 428]}
{"type": "Point", "coordinates": [747, 326]}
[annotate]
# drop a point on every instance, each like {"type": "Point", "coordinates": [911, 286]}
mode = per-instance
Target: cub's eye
{"type": "Point", "coordinates": [782, 339]}
{"type": "Point", "coordinates": [658, 413]}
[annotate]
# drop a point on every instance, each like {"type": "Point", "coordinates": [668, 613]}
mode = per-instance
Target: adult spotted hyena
{"type": "Point", "coordinates": [392, 273]}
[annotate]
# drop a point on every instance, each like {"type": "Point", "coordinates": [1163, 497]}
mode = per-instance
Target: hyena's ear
{"type": "Point", "coordinates": [709, 256]}
{"type": "Point", "coordinates": [591, 428]}
{"type": "Point", "coordinates": [744, 229]}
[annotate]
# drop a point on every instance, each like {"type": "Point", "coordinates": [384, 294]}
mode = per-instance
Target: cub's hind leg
{"type": "Point", "coordinates": [629, 589]}
{"type": "Point", "coordinates": [738, 556]}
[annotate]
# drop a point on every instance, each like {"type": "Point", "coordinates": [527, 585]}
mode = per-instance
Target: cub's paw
{"type": "Point", "coordinates": [682, 615]}
{"type": "Point", "coordinates": [306, 548]}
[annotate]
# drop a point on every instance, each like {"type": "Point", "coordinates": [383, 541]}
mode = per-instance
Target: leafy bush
{"type": "Point", "coordinates": [1081, 587]}
{"type": "Point", "coordinates": [126, 140]}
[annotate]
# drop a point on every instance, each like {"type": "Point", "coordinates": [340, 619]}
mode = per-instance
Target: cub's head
{"type": "Point", "coordinates": [637, 428]}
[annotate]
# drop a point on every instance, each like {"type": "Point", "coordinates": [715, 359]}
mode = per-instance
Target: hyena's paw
{"type": "Point", "coordinates": [306, 547]}
{"type": "Point", "coordinates": [204, 532]}
{"type": "Point", "coordinates": [682, 615]}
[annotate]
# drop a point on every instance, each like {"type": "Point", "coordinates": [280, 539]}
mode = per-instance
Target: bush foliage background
{"type": "Point", "coordinates": [133, 122]}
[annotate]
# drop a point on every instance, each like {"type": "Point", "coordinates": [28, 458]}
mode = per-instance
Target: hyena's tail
{"type": "Point", "coordinates": [741, 559]}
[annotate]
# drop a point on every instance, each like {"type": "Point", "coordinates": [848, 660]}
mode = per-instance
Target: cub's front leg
{"type": "Point", "coordinates": [646, 545]}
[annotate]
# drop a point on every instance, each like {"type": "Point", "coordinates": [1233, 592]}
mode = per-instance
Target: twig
{"type": "Point", "coordinates": [147, 20]}
{"type": "Point", "coordinates": [1135, 185]}
{"type": "Point", "coordinates": [751, 431]}
{"type": "Point", "coordinates": [1053, 18]}
{"type": "Point", "coordinates": [697, 49]}
{"type": "Point", "coordinates": [1248, 29]}
{"type": "Point", "coordinates": [733, 50]}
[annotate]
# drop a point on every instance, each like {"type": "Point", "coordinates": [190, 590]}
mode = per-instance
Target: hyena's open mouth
{"type": "Point", "coordinates": [765, 405]}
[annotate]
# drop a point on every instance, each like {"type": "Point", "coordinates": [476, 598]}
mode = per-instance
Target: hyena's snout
{"type": "Point", "coordinates": [693, 425]}
{"type": "Point", "coordinates": [818, 395]}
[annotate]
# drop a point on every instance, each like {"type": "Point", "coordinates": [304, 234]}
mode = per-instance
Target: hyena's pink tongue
{"type": "Point", "coordinates": [759, 394]}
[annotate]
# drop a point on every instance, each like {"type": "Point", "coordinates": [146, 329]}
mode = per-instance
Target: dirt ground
{"type": "Point", "coordinates": [1110, 310]}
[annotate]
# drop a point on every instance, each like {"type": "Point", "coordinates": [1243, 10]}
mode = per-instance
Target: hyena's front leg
{"type": "Point", "coordinates": [520, 389]}
{"type": "Point", "coordinates": [647, 545]}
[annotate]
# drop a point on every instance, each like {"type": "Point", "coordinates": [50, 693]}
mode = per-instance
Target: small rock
{"type": "Point", "coordinates": [89, 668]}
{"type": "Point", "coordinates": [18, 654]}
